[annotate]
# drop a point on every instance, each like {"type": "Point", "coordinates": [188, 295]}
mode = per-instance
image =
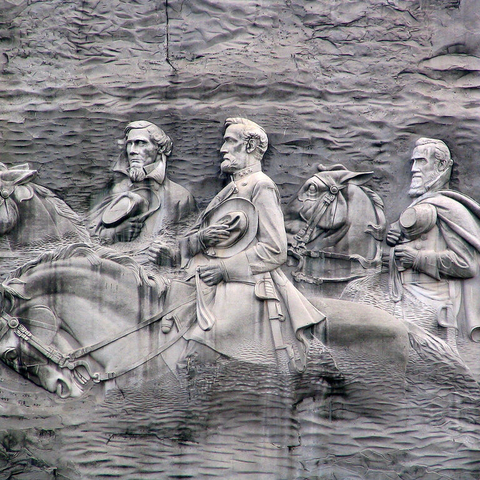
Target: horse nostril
{"type": "Point", "coordinates": [4, 193]}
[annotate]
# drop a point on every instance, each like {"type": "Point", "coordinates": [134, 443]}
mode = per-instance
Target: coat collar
{"type": "Point", "coordinates": [155, 171]}
{"type": "Point", "coordinates": [247, 171]}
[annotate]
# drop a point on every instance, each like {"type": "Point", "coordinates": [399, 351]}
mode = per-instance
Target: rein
{"type": "Point", "coordinates": [70, 360]}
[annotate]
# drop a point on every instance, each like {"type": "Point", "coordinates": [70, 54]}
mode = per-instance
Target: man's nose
{"type": "Point", "coordinates": [133, 148]}
{"type": "Point", "coordinates": [415, 166]}
{"type": "Point", "coordinates": [223, 149]}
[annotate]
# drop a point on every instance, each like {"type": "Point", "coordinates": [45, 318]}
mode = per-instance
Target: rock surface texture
{"type": "Point", "coordinates": [353, 83]}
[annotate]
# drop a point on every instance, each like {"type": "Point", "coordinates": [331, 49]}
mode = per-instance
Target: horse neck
{"type": "Point", "coordinates": [361, 214]}
{"type": "Point", "coordinates": [34, 220]}
{"type": "Point", "coordinates": [91, 300]}
{"type": "Point", "coordinates": [46, 216]}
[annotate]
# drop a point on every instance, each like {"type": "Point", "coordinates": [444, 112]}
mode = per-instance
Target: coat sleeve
{"type": "Point", "coordinates": [460, 229]}
{"type": "Point", "coordinates": [458, 260]}
{"type": "Point", "coordinates": [269, 250]}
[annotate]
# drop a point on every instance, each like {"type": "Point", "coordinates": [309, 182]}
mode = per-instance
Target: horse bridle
{"type": "Point", "coordinates": [305, 234]}
{"type": "Point", "coordinates": [9, 323]}
{"type": "Point", "coordinates": [71, 360]}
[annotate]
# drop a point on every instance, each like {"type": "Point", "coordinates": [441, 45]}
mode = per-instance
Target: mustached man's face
{"type": "Point", "coordinates": [141, 151]}
{"type": "Point", "coordinates": [424, 170]}
{"type": "Point", "coordinates": [234, 150]}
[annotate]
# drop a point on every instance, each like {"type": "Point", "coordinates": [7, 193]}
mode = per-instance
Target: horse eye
{"type": "Point", "coordinates": [10, 355]}
{"type": "Point", "coordinates": [312, 188]}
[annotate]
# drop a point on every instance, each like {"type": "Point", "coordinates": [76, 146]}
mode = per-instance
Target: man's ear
{"type": "Point", "coordinates": [251, 144]}
{"type": "Point", "coordinates": [442, 165]}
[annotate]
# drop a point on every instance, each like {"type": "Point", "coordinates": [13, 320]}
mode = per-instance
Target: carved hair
{"type": "Point", "coordinates": [251, 131]}
{"type": "Point", "coordinates": [157, 135]}
{"type": "Point", "coordinates": [441, 151]}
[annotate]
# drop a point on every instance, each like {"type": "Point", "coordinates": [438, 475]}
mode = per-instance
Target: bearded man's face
{"type": "Point", "coordinates": [141, 151]}
{"type": "Point", "coordinates": [424, 170]}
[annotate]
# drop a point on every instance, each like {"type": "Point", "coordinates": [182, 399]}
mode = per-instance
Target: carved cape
{"type": "Point", "coordinates": [251, 322]}
{"type": "Point", "coordinates": [457, 228]}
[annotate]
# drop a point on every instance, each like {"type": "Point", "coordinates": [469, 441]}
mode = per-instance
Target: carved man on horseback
{"type": "Point", "coordinates": [246, 307]}
{"type": "Point", "coordinates": [143, 200]}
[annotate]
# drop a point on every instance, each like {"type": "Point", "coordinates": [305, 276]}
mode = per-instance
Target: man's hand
{"type": "Point", "coordinates": [393, 235]}
{"type": "Point", "coordinates": [162, 255]}
{"type": "Point", "coordinates": [405, 256]}
{"type": "Point", "coordinates": [213, 235]}
{"type": "Point", "coordinates": [211, 274]}
{"type": "Point", "coordinates": [129, 229]}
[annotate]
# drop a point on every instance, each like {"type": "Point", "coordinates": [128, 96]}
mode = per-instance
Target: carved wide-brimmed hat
{"type": "Point", "coordinates": [241, 218]}
{"type": "Point", "coordinates": [417, 220]}
{"type": "Point", "coordinates": [122, 207]}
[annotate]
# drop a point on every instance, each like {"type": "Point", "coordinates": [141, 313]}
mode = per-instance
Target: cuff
{"type": "Point", "coordinates": [237, 268]}
{"type": "Point", "coordinates": [426, 262]}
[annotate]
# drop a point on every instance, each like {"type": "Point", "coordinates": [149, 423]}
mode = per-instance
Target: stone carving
{"type": "Point", "coordinates": [235, 305]}
{"type": "Point", "coordinates": [335, 227]}
{"type": "Point", "coordinates": [32, 218]}
{"type": "Point", "coordinates": [111, 330]}
{"type": "Point", "coordinates": [242, 269]}
{"type": "Point", "coordinates": [143, 200]}
{"type": "Point", "coordinates": [348, 81]}
{"type": "Point", "coordinates": [231, 325]}
{"type": "Point", "coordinates": [435, 244]}
{"type": "Point", "coordinates": [113, 296]}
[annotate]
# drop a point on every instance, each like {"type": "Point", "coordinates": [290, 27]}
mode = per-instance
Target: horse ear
{"type": "Point", "coordinates": [23, 193]}
{"type": "Point", "coordinates": [15, 287]}
{"type": "Point", "coordinates": [19, 177]}
{"type": "Point", "coordinates": [21, 166]}
{"type": "Point", "coordinates": [356, 178]}
{"type": "Point", "coordinates": [338, 166]}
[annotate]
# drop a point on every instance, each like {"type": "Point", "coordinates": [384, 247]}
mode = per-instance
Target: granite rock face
{"type": "Point", "coordinates": [352, 82]}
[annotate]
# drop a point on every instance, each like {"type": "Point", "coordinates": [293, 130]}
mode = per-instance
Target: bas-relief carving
{"type": "Point", "coordinates": [433, 261]}
{"type": "Point", "coordinates": [335, 227]}
{"type": "Point", "coordinates": [32, 215]}
{"type": "Point", "coordinates": [229, 319]}
{"type": "Point", "coordinates": [143, 201]}
{"type": "Point", "coordinates": [32, 218]}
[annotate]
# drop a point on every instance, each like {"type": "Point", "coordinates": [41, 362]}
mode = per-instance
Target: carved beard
{"type": "Point", "coordinates": [417, 191]}
{"type": "Point", "coordinates": [435, 182]}
{"type": "Point", "coordinates": [136, 174]}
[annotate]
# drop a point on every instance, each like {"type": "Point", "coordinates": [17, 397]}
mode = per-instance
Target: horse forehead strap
{"type": "Point", "coordinates": [333, 186]}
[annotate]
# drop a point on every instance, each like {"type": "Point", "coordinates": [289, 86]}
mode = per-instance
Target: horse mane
{"type": "Point", "coordinates": [62, 209]}
{"type": "Point", "coordinates": [95, 255]}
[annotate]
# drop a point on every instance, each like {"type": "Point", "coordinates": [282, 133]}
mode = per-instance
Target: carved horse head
{"type": "Point", "coordinates": [32, 214]}
{"type": "Point", "coordinates": [78, 316]}
{"type": "Point", "coordinates": [14, 189]}
{"type": "Point", "coordinates": [335, 226]}
{"type": "Point", "coordinates": [321, 208]}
